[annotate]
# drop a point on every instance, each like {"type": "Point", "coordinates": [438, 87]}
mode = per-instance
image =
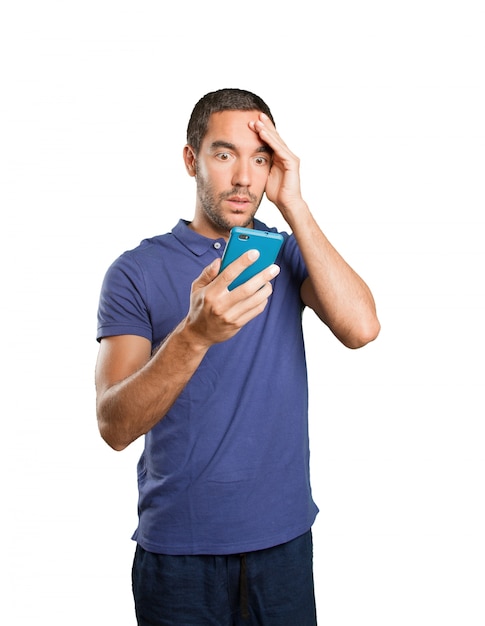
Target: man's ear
{"type": "Point", "coordinates": [190, 160]}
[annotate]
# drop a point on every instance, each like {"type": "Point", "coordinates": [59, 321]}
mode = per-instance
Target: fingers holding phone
{"type": "Point", "coordinates": [249, 241]}
{"type": "Point", "coordinates": [245, 273]}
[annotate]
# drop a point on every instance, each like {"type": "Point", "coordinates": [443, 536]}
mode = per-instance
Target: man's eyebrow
{"type": "Point", "coordinates": [265, 148]}
{"type": "Point", "coordinates": [220, 143]}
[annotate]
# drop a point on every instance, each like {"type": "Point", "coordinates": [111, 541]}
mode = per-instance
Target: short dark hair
{"type": "Point", "coordinates": [217, 101]}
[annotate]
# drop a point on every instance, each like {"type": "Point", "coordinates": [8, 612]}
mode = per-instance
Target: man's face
{"type": "Point", "coordinates": [232, 168]}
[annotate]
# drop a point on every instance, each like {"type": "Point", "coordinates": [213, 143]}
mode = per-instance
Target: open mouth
{"type": "Point", "coordinates": [239, 202]}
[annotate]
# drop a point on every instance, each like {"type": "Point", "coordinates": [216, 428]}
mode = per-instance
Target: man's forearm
{"type": "Point", "coordinates": [335, 291]}
{"type": "Point", "coordinates": [131, 407]}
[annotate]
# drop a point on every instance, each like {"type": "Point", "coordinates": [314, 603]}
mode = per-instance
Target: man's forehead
{"type": "Point", "coordinates": [232, 127]}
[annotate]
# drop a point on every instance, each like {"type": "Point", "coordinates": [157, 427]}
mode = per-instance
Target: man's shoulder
{"type": "Point", "coordinates": [152, 245]}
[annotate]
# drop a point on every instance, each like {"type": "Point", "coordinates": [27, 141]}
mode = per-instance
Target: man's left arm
{"type": "Point", "coordinates": [333, 289]}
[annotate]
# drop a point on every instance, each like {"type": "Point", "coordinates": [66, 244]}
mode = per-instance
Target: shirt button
{"type": "Point", "coordinates": [217, 245]}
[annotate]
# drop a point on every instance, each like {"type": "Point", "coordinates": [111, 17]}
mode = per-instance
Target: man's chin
{"type": "Point", "coordinates": [243, 220]}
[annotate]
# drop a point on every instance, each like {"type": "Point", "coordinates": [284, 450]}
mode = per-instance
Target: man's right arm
{"type": "Point", "coordinates": [135, 390]}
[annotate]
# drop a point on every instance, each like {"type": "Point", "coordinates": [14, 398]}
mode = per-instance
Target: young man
{"type": "Point", "coordinates": [216, 381]}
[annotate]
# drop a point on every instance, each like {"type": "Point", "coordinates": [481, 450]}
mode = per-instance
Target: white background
{"type": "Point", "coordinates": [384, 102]}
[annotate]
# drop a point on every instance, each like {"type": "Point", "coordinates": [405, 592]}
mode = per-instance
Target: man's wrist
{"type": "Point", "coordinates": [294, 211]}
{"type": "Point", "coordinates": [191, 339]}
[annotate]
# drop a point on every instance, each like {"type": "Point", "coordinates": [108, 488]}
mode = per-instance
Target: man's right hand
{"type": "Point", "coordinates": [217, 314]}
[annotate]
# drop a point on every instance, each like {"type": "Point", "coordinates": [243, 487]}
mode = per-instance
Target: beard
{"type": "Point", "coordinates": [211, 204]}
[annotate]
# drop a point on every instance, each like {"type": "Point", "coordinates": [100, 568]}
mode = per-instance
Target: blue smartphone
{"type": "Point", "coordinates": [243, 239]}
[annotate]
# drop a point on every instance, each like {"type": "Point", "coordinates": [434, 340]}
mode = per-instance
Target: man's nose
{"type": "Point", "coordinates": [241, 174]}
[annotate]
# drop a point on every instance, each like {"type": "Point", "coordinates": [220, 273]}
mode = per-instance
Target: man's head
{"type": "Point", "coordinates": [228, 160]}
{"type": "Point", "coordinates": [217, 101]}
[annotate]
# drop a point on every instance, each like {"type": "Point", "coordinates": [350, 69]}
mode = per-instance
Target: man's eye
{"type": "Point", "coordinates": [223, 156]}
{"type": "Point", "coordinates": [261, 160]}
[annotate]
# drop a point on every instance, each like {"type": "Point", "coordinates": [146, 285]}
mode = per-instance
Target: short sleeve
{"type": "Point", "coordinates": [122, 305]}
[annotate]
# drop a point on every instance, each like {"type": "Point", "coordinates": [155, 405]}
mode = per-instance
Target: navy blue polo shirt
{"type": "Point", "coordinates": [227, 469]}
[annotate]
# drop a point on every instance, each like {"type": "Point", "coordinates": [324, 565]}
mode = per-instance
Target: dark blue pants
{"type": "Point", "coordinates": [272, 587]}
